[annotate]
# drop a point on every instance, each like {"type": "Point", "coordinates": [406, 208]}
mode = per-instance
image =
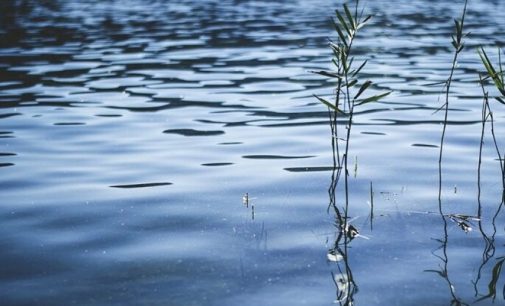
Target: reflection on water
{"type": "Point", "coordinates": [129, 129]}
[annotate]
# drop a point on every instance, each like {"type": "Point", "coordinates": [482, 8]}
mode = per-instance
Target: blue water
{"type": "Point", "coordinates": [131, 130]}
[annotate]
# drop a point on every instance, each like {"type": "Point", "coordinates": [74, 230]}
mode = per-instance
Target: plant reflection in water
{"type": "Point", "coordinates": [338, 254]}
{"type": "Point", "coordinates": [489, 250]}
{"type": "Point", "coordinates": [488, 254]}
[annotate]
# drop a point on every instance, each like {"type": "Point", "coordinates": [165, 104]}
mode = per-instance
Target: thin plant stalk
{"type": "Point", "coordinates": [348, 92]}
{"type": "Point", "coordinates": [457, 42]}
{"type": "Point", "coordinates": [489, 248]}
{"type": "Point", "coordinates": [485, 116]}
{"type": "Point", "coordinates": [497, 77]}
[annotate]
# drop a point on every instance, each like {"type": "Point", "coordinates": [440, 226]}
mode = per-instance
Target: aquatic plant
{"type": "Point", "coordinates": [457, 43]}
{"type": "Point", "coordinates": [496, 75]}
{"type": "Point", "coordinates": [349, 94]}
{"type": "Point", "coordinates": [349, 91]}
{"type": "Point", "coordinates": [443, 272]}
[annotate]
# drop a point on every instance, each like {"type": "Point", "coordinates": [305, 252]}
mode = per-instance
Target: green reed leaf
{"type": "Point", "coordinates": [363, 88]}
{"type": "Point", "coordinates": [352, 83]}
{"type": "Point", "coordinates": [373, 98]}
{"type": "Point", "coordinates": [355, 72]}
{"type": "Point", "coordinates": [492, 71]}
{"type": "Point", "coordinates": [340, 33]}
{"type": "Point", "coordinates": [458, 26]}
{"type": "Point", "coordinates": [343, 23]}
{"type": "Point", "coordinates": [348, 13]}
{"type": "Point", "coordinates": [344, 61]}
{"type": "Point", "coordinates": [336, 49]}
{"type": "Point", "coordinates": [329, 104]}
{"type": "Point", "coordinates": [334, 61]}
{"type": "Point", "coordinates": [500, 65]}
{"type": "Point", "coordinates": [364, 22]}
{"type": "Point", "coordinates": [330, 74]}
{"type": "Point", "coordinates": [351, 61]}
{"type": "Point", "coordinates": [454, 42]}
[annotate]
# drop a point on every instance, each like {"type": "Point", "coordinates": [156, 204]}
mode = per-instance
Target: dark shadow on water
{"type": "Point", "coordinates": [192, 132]}
{"type": "Point", "coordinates": [309, 169]}
{"type": "Point", "coordinates": [424, 145]}
{"type": "Point", "coordinates": [143, 185]}
{"type": "Point", "coordinates": [217, 164]}
{"type": "Point", "coordinates": [7, 154]}
{"type": "Point", "coordinates": [275, 157]}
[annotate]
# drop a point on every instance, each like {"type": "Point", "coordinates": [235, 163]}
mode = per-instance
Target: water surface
{"type": "Point", "coordinates": [130, 131]}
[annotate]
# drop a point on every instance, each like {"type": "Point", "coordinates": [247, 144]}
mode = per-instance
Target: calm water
{"type": "Point", "coordinates": [130, 131]}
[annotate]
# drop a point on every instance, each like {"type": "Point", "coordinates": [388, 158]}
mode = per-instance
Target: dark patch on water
{"type": "Point", "coordinates": [216, 164]}
{"type": "Point", "coordinates": [69, 123]}
{"type": "Point", "coordinates": [276, 156]}
{"type": "Point", "coordinates": [424, 145]}
{"type": "Point", "coordinates": [309, 169]}
{"type": "Point", "coordinates": [3, 116]}
{"type": "Point", "coordinates": [6, 164]}
{"type": "Point", "coordinates": [192, 132]}
{"type": "Point", "coordinates": [373, 133]}
{"type": "Point", "coordinates": [109, 115]}
{"type": "Point", "coordinates": [7, 154]}
{"type": "Point", "coordinates": [142, 185]}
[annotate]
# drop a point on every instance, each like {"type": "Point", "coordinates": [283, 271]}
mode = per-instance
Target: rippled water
{"type": "Point", "coordinates": [130, 131]}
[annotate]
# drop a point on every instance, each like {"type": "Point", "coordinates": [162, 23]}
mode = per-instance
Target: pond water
{"type": "Point", "coordinates": [131, 130]}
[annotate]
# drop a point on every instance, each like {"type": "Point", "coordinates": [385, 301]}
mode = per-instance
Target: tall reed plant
{"type": "Point", "coordinates": [350, 91]}
{"type": "Point", "coordinates": [458, 45]}
{"type": "Point", "coordinates": [497, 78]}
